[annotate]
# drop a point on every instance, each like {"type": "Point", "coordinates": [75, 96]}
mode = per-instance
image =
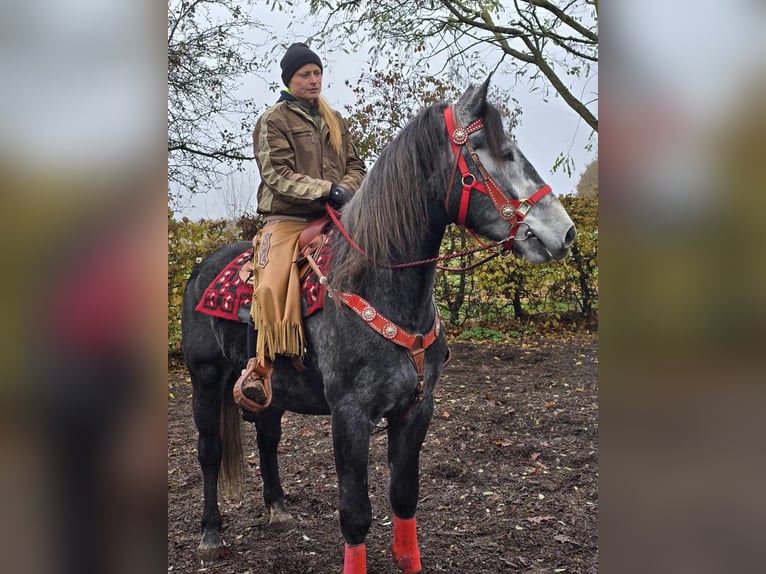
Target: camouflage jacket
{"type": "Point", "coordinates": [297, 162]}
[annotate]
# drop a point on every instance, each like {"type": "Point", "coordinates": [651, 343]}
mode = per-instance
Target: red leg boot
{"type": "Point", "coordinates": [355, 559]}
{"type": "Point", "coordinates": [405, 546]}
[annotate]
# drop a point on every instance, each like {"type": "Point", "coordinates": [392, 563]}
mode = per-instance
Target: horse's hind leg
{"type": "Point", "coordinates": [268, 426]}
{"type": "Point", "coordinates": [405, 437]}
{"type": "Point", "coordinates": [207, 396]}
{"type": "Point", "coordinates": [351, 443]}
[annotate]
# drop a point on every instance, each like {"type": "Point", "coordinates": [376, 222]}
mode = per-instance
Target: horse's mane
{"type": "Point", "coordinates": [391, 207]}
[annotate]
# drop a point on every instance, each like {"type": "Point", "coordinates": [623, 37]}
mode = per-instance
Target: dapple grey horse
{"type": "Point", "coordinates": [376, 349]}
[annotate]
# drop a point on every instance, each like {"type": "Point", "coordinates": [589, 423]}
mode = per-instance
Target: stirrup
{"type": "Point", "coordinates": [262, 373]}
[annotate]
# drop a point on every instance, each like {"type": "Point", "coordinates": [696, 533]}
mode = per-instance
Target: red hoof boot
{"type": "Point", "coordinates": [405, 546]}
{"type": "Point", "coordinates": [355, 559]}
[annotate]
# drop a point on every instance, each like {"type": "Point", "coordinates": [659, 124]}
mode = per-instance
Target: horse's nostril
{"type": "Point", "coordinates": [570, 236]}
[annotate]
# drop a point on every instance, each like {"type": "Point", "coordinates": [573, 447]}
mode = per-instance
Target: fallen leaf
{"type": "Point", "coordinates": [550, 404]}
{"type": "Point", "coordinates": [539, 519]}
{"type": "Point", "coordinates": [564, 538]}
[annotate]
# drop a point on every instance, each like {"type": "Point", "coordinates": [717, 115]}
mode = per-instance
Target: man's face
{"type": "Point", "coordinates": [306, 83]}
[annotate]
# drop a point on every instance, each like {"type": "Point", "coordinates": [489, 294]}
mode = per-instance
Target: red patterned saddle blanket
{"type": "Point", "coordinates": [230, 295]}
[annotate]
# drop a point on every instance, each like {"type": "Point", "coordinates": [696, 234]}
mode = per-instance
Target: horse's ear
{"type": "Point", "coordinates": [472, 103]}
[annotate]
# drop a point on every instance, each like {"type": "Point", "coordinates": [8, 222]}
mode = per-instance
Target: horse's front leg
{"type": "Point", "coordinates": [351, 443]}
{"type": "Point", "coordinates": [405, 438]}
{"type": "Point", "coordinates": [268, 426]}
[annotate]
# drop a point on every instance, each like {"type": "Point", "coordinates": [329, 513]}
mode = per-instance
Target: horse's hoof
{"type": "Point", "coordinates": [211, 547]}
{"type": "Point", "coordinates": [281, 520]}
{"type": "Point", "coordinates": [210, 552]}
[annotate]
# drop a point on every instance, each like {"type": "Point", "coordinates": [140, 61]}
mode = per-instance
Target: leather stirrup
{"type": "Point", "coordinates": [264, 372]}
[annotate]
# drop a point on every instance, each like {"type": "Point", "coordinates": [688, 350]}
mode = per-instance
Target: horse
{"type": "Point", "coordinates": [376, 349]}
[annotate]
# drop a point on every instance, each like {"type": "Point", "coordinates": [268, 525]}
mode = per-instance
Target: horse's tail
{"type": "Point", "coordinates": [232, 475]}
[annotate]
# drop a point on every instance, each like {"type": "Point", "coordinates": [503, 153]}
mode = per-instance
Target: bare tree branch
{"type": "Point", "coordinates": [209, 126]}
{"type": "Point", "coordinates": [544, 41]}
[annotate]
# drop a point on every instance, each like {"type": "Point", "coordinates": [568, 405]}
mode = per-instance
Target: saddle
{"type": "Point", "coordinates": [310, 242]}
{"type": "Point", "coordinates": [313, 262]}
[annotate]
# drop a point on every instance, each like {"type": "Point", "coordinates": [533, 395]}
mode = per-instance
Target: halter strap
{"type": "Point", "coordinates": [458, 137]}
{"type": "Point", "coordinates": [510, 209]}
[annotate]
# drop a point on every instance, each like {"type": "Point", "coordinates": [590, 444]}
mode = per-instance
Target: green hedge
{"type": "Point", "coordinates": [188, 243]}
{"type": "Point", "coordinates": [510, 293]}
{"type": "Point", "coordinates": [506, 297]}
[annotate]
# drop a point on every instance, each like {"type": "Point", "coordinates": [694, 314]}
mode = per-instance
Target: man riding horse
{"type": "Point", "coordinates": [306, 158]}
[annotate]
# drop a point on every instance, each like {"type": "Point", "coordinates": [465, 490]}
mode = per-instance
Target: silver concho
{"type": "Point", "coordinates": [508, 211]}
{"type": "Point", "coordinates": [390, 331]}
{"type": "Point", "coordinates": [460, 136]}
{"type": "Point", "coordinates": [368, 314]}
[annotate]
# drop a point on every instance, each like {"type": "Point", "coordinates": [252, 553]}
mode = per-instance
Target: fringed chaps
{"type": "Point", "coordinates": [276, 307]}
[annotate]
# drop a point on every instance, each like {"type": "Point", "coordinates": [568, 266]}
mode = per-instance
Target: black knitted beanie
{"type": "Point", "coordinates": [297, 56]}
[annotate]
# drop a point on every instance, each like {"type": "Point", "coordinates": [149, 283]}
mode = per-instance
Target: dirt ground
{"type": "Point", "coordinates": [509, 474]}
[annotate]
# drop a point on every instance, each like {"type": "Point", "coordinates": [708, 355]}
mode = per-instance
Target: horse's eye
{"type": "Point", "coordinates": [508, 155]}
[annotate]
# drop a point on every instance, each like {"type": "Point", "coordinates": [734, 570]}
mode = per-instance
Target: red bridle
{"type": "Point", "coordinates": [510, 209]}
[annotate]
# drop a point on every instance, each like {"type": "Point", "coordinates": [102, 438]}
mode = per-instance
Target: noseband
{"type": "Point", "coordinates": [511, 210]}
